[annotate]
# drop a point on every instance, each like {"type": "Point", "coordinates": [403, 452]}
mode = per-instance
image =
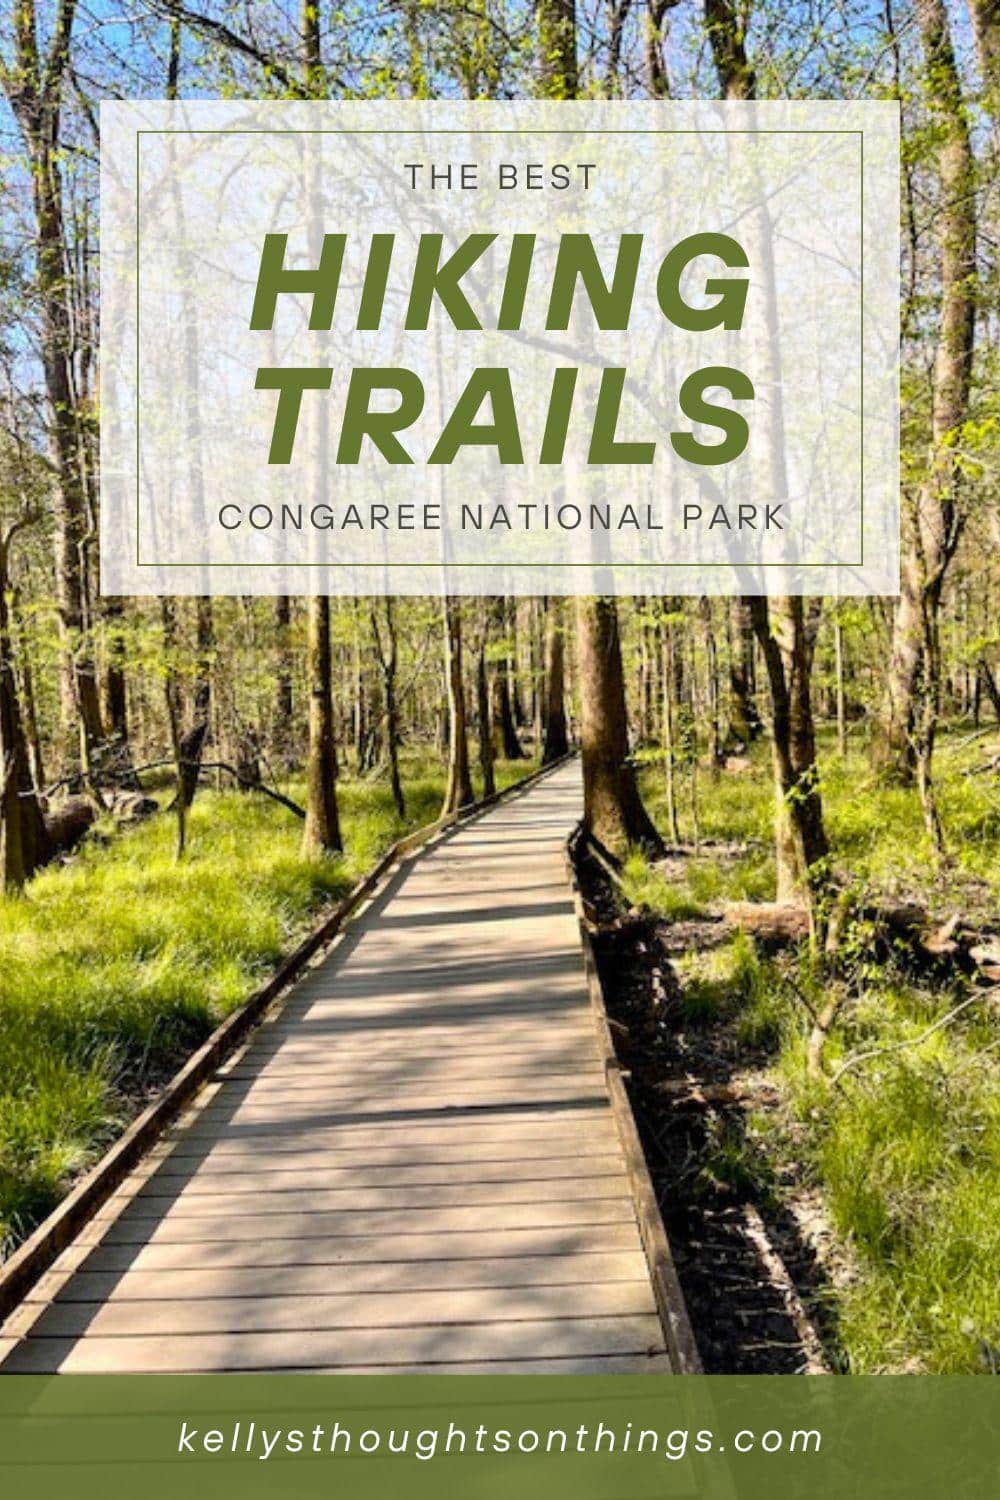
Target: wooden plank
{"type": "Point", "coordinates": [136, 1227]}
{"type": "Point", "coordinates": [417, 1091]}
{"type": "Point", "coordinates": [273, 1250]}
{"type": "Point", "coordinates": [336, 1348]}
{"type": "Point", "coordinates": [536, 1124]}
{"type": "Point", "coordinates": [332, 1151]}
{"type": "Point", "coordinates": [116, 1318]}
{"type": "Point", "coordinates": [582, 1270]}
{"type": "Point", "coordinates": [363, 1173]}
{"type": "Point", "coordinates": [393, 1102]}
{"type": "Point", "coordinates": [327, 1070]}
{"type": "Point", "coordinates": [355, 1199]}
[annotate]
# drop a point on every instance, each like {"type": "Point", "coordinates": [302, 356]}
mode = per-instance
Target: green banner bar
{"type": "Point", "coordinates": [488, 1437]}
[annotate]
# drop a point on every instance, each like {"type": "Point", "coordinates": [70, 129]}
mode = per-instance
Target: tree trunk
{"type": "Point", "coordinates": [711, 685]}
{"type": "Point", "coordinates": [458, 792]}
{"type": "Point", "coordinates": [932, 516]}
{"type": "Point", "coordinates": [483, 712]}
{"type": "Point", "coordinates": [557, 66]}
{"type": "Point", "coordinates": [744, 720]}
{"type": "Point", "coordinates": [115, 697]}
{"type": "Point", "coordinates": [838, 654]}
{"type": "Point", "coordinates": [985, 18]}
{"type": "Point", "coordinates": [321, 834]}
{"type": "Point", "coordinates": [171, 694]}
{"type": "Point", "coordinates": [555, 737]}
{"type": "Point", "coordinates": [505, 730]}
{"type": "Point", "coordinates": [784, 633]}
{"type": "Point", "coordinates": [23, 842]}
{"type": "Point", "coordinates": [787, 640]}
{"type": "Point", "coordinates": [284, 704]}
{"type": "Point", "coordinates": [668, 736]}
{"type": "Point", "coordinates": [34, 87]}
{"type": "Point", "coordinates": [388, 655]}
{"type": "Point", "coordinates": [613, 809]}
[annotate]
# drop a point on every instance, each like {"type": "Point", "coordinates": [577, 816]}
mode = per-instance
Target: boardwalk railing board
{"type": "Point", "coordinates": [38, 1252]}
{"type": "Point", "coordinates": [666, 1284]}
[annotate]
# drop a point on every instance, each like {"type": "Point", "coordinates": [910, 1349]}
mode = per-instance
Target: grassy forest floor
{"type": "Point", "coordinates": [893, 1174]}
{"type": "Point", "coordinates": [115, 965]}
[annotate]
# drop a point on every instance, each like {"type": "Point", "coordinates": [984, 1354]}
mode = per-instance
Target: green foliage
{"type": "Point", "coordinates": [115, 967]}
{"type": "Point", "coordinates": [906, 1149]}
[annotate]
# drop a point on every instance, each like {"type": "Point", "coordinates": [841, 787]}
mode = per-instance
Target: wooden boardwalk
{"type": "Point", "coordinates": [413, 1165]}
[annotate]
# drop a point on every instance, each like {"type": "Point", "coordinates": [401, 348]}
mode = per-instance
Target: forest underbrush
{"type": "Point", "coordinates": [878, 1180]}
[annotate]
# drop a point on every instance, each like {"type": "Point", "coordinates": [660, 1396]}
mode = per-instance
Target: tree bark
{"type": "Point", "coordinates": [787, 640]}
{"type": "Point", "coordinates": [613, 810]}
{"type": "Point", "coordinates": [505, 729]}
{"type": "Point", "coordinates": [555, 740]}
{"type": "Point", "coordinates": [458, 792]}
{"type": "Point", "coordinates": [388, 655]}
{"type": "Point", "coordinates": [321, 834]}
{"type": "Point", "coordinates": [483, 711]}
{"type": "Point", "coordinates": [932, 515]}
{"type": "Point", "coordinates": [557, 65]}
{"type": "Point", "coordinates": [23, 841]}
{"type": "Point", "coordinates": [34, 87]}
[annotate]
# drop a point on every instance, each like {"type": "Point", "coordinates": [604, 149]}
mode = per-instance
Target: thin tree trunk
{"type": "Point", "coordinates": [34, 86]}
{"type": "Point", "coordinates": [668, 737]}
{"type": "Point", "coordinates": [458, 792]}
{"type": "Point", "coordinates": [555, 740]}
{"type": "Point", "coordinates": [787, 641]}
{"type": "Point", "coordinates": [321, 834]}
{"type": "Point", "coordinates": [171, 693]}
{"type": "Point", "coordinates": [23, 841]}
{"type": "Point", "coordinates": [932, 516]}
{"type": "Point", "coordinates": [505, 729]}
{"type": "Point", "coordinates": [483, 711]}
{"type": "Point", "coordinates": [838, 655]}
{"type": "Point", "coordinates": [388, 655]}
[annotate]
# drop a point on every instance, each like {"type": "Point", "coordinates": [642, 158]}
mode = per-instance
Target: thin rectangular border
{"type": "Point", "coordinates": [456, 130]}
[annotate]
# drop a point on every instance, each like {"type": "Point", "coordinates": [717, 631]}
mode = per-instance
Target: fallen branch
{"type": "Point", "coordinates": [255, 785]}
{"type": "Point", "coordinates": [915, 1041]}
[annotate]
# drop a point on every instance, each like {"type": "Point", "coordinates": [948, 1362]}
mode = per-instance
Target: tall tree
{"type": "Point", "coordinates": [34, 85]}
{"type": "Point", "coordinates": [22, 826]}
{"type": "Point", "coordinates": [558, 74]}
{"type": "Point", "coordinates": [321, 834]}
{"type": "Point", "coordinates": [483, 706]}
{"type": "Point", "coordinates": [458, 792]}
{"type": "Point", "coordinates": [387, 652]}
{"type": "Point", "coordinates": [985, 18]}
{"type": "Point", "coordinates": [932, 515]}
{"type": "Point", "coordinates": [612, 808]}
{"type": "Point", "coordinates": [785, 631]}
{"type": "Point", "coordinates": [322, 827]}
{"type": "Point", "coordinates": [555, 741]}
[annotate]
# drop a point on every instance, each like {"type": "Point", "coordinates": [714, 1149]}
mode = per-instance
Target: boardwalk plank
{"type": "Point", "coordinates": [580, 1270]}
{"type": "Point", "coordinates": [330, 1348]}
{"type": "Point", "coordinates": [117, 1318]}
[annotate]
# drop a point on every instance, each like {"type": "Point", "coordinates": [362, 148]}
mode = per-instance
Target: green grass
{"type": "Point", "coordinates": [906, 1151]}
{"type": "Point", "coordinates": [116, 966]}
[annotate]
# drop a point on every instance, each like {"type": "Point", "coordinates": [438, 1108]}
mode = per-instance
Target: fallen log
{"type": "Point", "coordinates": [66, 825]}
{"type": "Point", "coordinates": [899, 924]}
{"type": "Point", "coordinates": [774, 922]}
